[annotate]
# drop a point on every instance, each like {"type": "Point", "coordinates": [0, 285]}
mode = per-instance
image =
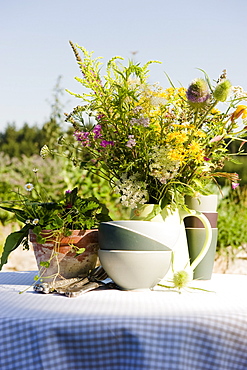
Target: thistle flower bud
{"type": "Point", "coordinates": [198, 93]}
{"type": "Point", "coordinates": [222, 90]}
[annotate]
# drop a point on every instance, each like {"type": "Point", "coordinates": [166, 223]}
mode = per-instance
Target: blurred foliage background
{"type": "Point", "coordinates": [19, 155]}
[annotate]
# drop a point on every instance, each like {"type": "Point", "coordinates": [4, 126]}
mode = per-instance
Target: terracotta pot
{"type": "Point", "coordinates": [62, 256]}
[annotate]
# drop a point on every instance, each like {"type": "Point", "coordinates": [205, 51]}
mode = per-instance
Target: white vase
{"type": "Point", "coordinates": [203, 203]}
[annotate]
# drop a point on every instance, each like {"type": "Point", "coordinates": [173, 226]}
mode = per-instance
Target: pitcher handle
{"type": "Point", "coordinates": [208, 237]}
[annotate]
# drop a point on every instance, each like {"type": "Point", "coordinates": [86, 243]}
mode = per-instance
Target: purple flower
{"type": "Point", "coordinates": [137, 109]}
{"type": "Point", "coordinates": [131, 142]}
{"type": "Point", "coordinates": [140, 121]}
{"type": "Point", "coordinates": [105, 143]}
{"type": "Point", "coordinates": [100, 116]}
{"type": "Point", "coordinates": [144, 122]}
{"type": "Point", "coordinates": [80, 136]}
{"type": "Point", "coordinates": [235, 185]}
{"type": "Point", "coordinates": [133, 121]}
{"type": "Point", "coordinates": [97, 131]}
{"type": "Point", "coordinates": [83, 137]}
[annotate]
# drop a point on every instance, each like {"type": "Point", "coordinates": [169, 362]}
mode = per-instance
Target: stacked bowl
{"type": "Point", "coordinates": [135, 254]}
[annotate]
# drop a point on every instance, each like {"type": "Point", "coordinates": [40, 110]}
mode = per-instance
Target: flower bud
{"type": "Point", "coordinates": [222, 90]}
{"type": "Point", "coordinates": [235, 185]}
{"type": "Point", "coordinates": [44, 151]}
{"type": "Point", "coordinates": [198, 93]}
{"type": "Point", "coordinates": [216, 138]}
{"type": "Point", "coordinates": [181, 279]}
{"type": "Point", "coordinates": [240, 110]}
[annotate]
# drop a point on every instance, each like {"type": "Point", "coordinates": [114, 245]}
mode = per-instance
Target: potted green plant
{"type": "Point", "coordinates": [64, 234]}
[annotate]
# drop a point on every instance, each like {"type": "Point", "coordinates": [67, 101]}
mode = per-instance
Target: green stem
{"type": "Point", "coordinates": [205, 114]}
{"type": "Point", "coordinates": [195, 117]}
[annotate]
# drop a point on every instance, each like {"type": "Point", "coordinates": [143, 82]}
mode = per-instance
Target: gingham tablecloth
{"type": "Point", "coordinates": [124, 330]}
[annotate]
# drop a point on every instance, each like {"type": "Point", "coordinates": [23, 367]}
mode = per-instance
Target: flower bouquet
{"type": "Point", "coordinates": [154, 145]}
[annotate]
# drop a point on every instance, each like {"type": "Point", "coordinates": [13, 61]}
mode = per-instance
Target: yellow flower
{"type": "Point", "coordinates": [241, 110]}
{"type": "Point", "coordinates": [196, 152]}
{"type": "Point", "coordinates": [182, 91]}
{"type": "Point", "coordinates": [199, 158]}
{"type": "Point", "coordinates": [156, 126]}
{"type": "Point", "coordinates": [179, 137]}
{"type": "Point", "coordinates": [194, 147]}
{"type": "Point", "coordinates": [190, 126]}
{"type": "Point", "coordinates": [169, 91]}
{"type": "Point", "coordinates": [176, 155]}
{"type": "Point", "coordinates": [200, 133]}
{"type": "Point", "coordinates": [171, 136]}
{"type": "Point", "coordinates": [215, 111]}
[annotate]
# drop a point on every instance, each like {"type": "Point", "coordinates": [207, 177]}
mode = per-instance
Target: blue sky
{"type": "Point", "coordinates": [184, 35]}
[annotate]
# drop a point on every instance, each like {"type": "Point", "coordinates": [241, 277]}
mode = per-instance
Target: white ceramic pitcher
{"type": "Point", "coordinates": [174, 235]}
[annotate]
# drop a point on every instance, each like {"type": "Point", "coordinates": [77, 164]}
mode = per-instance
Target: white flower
{"type": "Point", "coordinates": [156, 101]}
{"type": "Point", "coordinates": [28, 187]}
{"type": "Point", "coordinates": [239, 92]}
{"type": "Point", "coordinates": [161, 167]}
{"type": "Point", "coordinates": [134, 82]}
{"type": "Point", "coordinates": [35, 221]}
{"type": "Point", "coordinates": [133, 192]}
{"type": "Point", "coordinates": [27, 222]}
{"type": "Point", "coordinates": [35, 170]}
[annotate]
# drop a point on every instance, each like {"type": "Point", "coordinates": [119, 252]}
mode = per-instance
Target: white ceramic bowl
{"type": "Point", "coordinates": [136, 236]}
{"type": "Point", "coordinates": [135, 270]}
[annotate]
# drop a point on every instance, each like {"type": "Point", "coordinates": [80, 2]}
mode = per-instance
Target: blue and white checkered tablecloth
{"type": "Point", "coordinates": [123, 330]}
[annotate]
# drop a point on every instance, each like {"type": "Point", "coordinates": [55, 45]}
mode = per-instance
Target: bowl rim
{"type": "Point", "coordinates": [125, 251]}
{"type": "Point", "coordinates": [114, 224]}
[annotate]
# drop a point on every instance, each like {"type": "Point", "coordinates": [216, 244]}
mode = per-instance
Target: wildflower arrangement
{"type": "Point", "coordinates": [37, 213]}
{"type": "Point", "coordinates": [154, 145]}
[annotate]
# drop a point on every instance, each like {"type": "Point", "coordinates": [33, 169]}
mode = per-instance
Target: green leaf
{"type": "Point", "coordinates": [164, 202]}
{"type": "Point", "coordinates": [45, 264]}
{"type": "Point", "coordinates": [80, 250]}
{"type": "Point", "coordinates": [37, 229]}
{"type": "Point", "coordinates": [12, 242]}
{"type": "Point", "coordinates": [20, 214]}
{"type": "Point", "coordinates": [49, 205]}
{"type": "Point", "coordinates": [236, 161]}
